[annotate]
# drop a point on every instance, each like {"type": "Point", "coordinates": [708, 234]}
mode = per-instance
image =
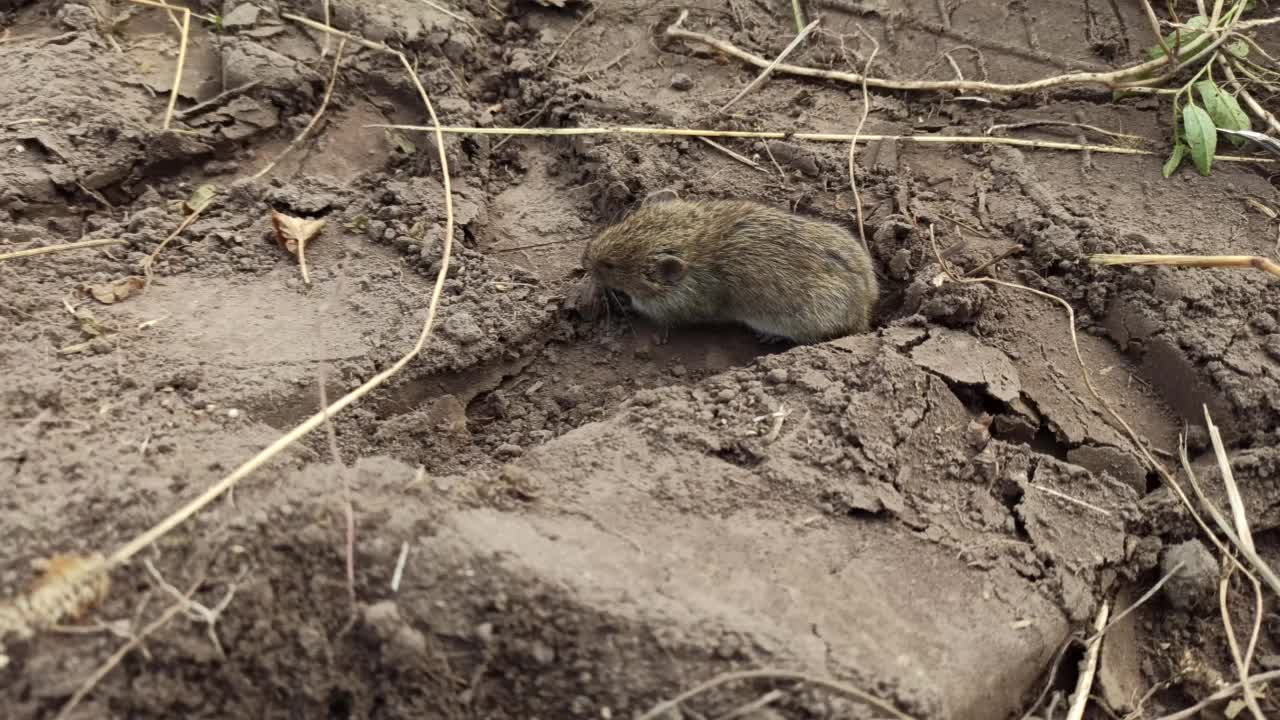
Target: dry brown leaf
{"type": "Point", "coordinates": [200, 199]}
{"type": "Point", "coordinates": [114, 292]}
{"type": "Point", "coordinates": [292, 232]}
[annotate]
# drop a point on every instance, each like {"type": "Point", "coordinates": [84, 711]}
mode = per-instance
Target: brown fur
{"type": "Point", "coordinates": [730, 261]}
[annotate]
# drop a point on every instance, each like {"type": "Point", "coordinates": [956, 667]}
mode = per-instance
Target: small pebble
{"type": "Point", "coordinates": [681, 81]}
{"type": "Point", "coordinates": [776, 376]}
{"type": "Point", "coordinates": [233, 413]}
{"type": "Point", "coordinates": [726, 395]}
{"type": "Point", "coordinates": [508, 450]}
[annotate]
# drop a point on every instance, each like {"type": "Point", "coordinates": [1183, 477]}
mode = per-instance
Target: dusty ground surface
{"type": "Point", "coordinates": [598, 516]}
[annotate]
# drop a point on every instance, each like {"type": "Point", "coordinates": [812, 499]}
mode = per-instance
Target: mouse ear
{"type": "Point", "coordinates": [668, 269]}
{"type": "Point", "coordinates": [659, 196]}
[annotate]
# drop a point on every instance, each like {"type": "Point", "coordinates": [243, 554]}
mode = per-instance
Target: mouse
{"type": "Point", "coordinates": [695, 262]}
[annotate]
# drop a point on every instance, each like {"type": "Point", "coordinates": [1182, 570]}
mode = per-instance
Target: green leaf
{"type": "Point", "coordinates": [1202, 137]}
{"type": "Point", "coordinates": [1191, 32]}
{"type": "Point", "coordinates": [1174, 160]}
{"type": "Point", "coordinates": [1224, 110]}
{"type": "Point", "coordinates": [1239, 48]}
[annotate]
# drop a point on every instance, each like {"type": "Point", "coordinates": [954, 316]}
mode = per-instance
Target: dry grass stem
{"type": "Point", "coordinates": [185, 30]}
{"type": "Point", "coordinates": [1216, 515]}
{"type": "Point", "coordinates": [798, 13]}
{"type": "Point", "coordinates": [398, 574]}
{"type": "Point", "coordinates": [1080, 698]}
{"type": "Point", "coordinates": [324, 103]}
{"type": "Point", "coordinates": [59, 248]}
{"type": "Point", "coordinates": [736, 156]}
{"type": "Point", "coordinates": [131, 548]}
{"type": "Point", "coordinates": [833, 685]}
{"type": "Point", "coordinates": [1225, 693]}
{"type": "Point", "coordinates": [795, 42]}
{"type": "Point", "coordinates": [1238, 515]}
{"type": "Point", "coordinates": [1256, 262]}
{"type": "Point", "coordinates": [1111, 79]}
{"type": "Point", "coordinates": [1068, 498]}
{"type": "Point", "coordinates": [804, 136]}
{"type": "Point", "coordinates": [1241, 661]}
{"type": "Point", "coordinates": [92, 681]}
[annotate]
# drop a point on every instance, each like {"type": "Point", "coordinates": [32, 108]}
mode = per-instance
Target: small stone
{"type": "Point", "coordinates": [233, 413]}
{"type": "Point", "coordinates": [463, 328]}
{"type": "Point", "coordinates": [245, 15]}
{"type": "Point", "coordinates": [726, 395]}
{"type": "Point", "coordinates": [543, 653]}
{"type": "Point", "coordinates": [1194, 584]}
{"type": "Point", "coordinates": [681, 81]}
{"type": "Point", "coordinates": [508, 450]}
{"type": "Point", "coordinates": [776, 376]}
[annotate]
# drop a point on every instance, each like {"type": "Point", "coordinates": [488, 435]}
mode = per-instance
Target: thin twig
{"type": "Point", "coordinates": [59, 248]}
{"type": "Point", "coordinates": [736, 156]}
{"type": "Point", "coordinates": [324, 103]}
{"type": "Point", "coordinates": [853, 143]}
{"type": "Point", "coordinates": [795, 42]}
{"type": "Point", "coordinates": [215, 100]}
{"type": "Point", "coordinates": [1111, 79]}
{"type": "Point", "coordinates": [1225, 693]}
{"type": "Point", "coordinates": [833, 685]}
{"type": "Point", "coordinates": [804, 136]}
{"type": "Point", "coordinates": [1256, 262]}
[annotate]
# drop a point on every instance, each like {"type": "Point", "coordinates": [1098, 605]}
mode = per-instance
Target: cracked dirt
{"type": "Point", "coordinates": [598, 515]}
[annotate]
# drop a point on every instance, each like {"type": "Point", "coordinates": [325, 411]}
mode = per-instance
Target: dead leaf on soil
{"type": "Point", "coordinates": [200, 199]}
{"type": "Point", "coordinates": [114, 292]}
{"type": "Point", "coordinates": [293, 234]}
{"type": "Point", "coordinates": [196, 202]}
